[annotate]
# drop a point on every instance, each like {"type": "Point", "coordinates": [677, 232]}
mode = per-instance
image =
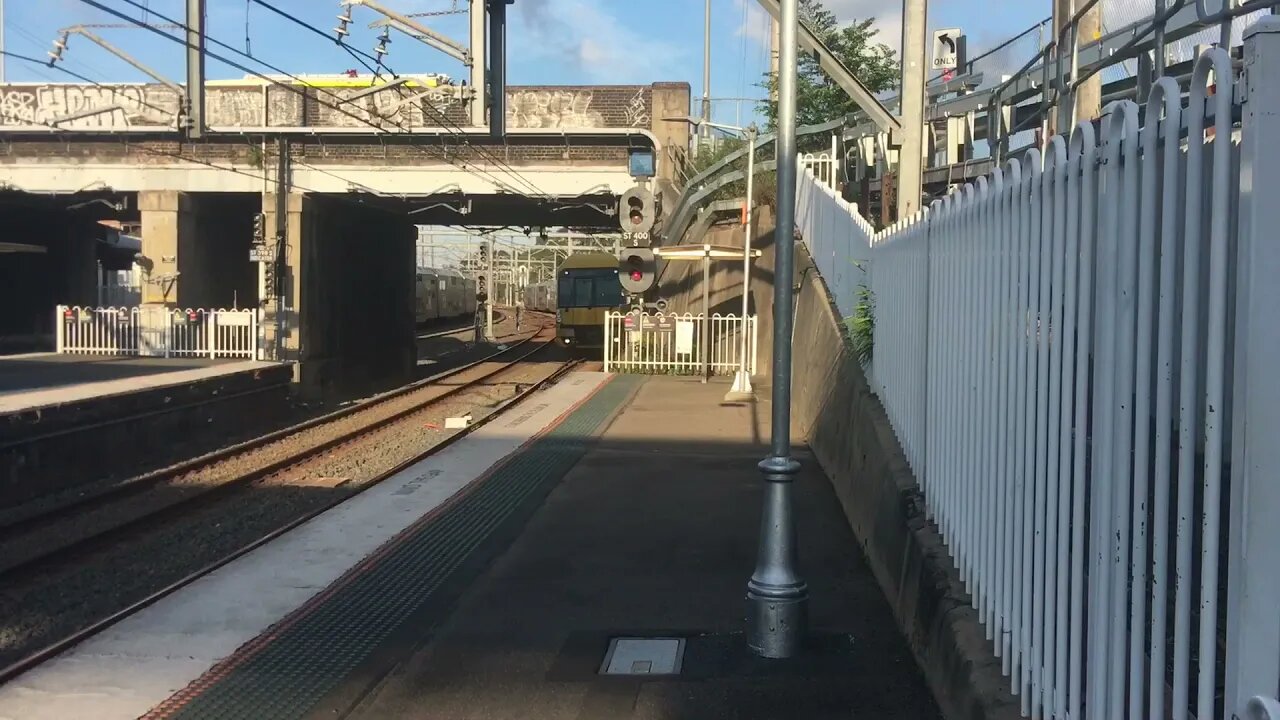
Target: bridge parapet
{"type": "Point", "coordinates": [322, 104]}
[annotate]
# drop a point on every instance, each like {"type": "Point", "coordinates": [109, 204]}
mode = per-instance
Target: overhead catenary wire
{"type": "Point", "coordinates": [360, 57]}
{"type": "Point", "coordinates": [81, 77]}
{"type": "Point", "coordinates": [286, 86]}
{"type": "Point", "coordinates": [357, 55]}
{"type": "Point", "coordinates": [179, 156]}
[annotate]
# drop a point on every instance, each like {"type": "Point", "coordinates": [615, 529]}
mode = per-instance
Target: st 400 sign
{"type": "Point", "coordinates": [637, 237]}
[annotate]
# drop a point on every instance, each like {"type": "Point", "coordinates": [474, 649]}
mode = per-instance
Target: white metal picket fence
{"type": "Point", "coordinates": [823, 166]}
{"type": "Point", "coordinates": [672, 343]}
{"type": "Point", "coordinates": [1078, 355]}
{"type": "Point", "coordinates": [837, 236]}
{"type": "Point", "coordinates": [158, 332]}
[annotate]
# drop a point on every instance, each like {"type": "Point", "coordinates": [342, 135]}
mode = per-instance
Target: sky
{"type": "Point", "coordinates": [551, 42]}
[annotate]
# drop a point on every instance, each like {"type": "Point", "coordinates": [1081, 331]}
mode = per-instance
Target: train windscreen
{"type": "Point", "coordinates": [589, 287]}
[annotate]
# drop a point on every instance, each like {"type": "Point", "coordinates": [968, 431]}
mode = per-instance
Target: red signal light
{"type": "Point", "coordinates": [636, 275]}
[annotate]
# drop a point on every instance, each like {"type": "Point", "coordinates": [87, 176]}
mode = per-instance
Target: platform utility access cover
{"type": "Point", "coordinates": [643, 656]}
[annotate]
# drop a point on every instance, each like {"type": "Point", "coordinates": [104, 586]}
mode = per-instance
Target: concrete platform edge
{"type": "Point", "coordinates": [851, 437]}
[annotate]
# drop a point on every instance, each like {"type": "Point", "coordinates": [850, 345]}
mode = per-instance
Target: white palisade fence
{"type": "Point", "coordinates": [158, 332]}
{"type": "Point", "coordinates": [639, 343]}
{"type": "Point", "coordinates": [1079, 356]}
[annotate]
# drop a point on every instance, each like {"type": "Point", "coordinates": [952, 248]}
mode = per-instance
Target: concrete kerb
{"type": "Point", "coordinates": [851, 437]}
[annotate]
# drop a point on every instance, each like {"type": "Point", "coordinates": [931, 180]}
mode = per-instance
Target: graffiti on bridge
{"type": "Point", "coordinates": [118, 106]}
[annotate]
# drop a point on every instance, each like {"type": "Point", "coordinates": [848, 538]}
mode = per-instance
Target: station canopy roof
{"type": "Point", "coordinates": [697, 252]}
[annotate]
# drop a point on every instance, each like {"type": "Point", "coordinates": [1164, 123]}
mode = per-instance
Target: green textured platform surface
{"type": "Point", "coordinates": [294, 664]}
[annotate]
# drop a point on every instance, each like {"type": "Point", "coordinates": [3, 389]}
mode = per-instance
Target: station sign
{"type": "Point", "coordinates": [649, 323]}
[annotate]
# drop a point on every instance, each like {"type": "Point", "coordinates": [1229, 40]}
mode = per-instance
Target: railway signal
{"type": "Point", "coordinates": [269, 278]}
{"type": "Point", "coordinates": [260, 228]}
{"type": "Point", "coordinates": [637, 212]}
{"type": "Point", "coordinates": [635, 270]}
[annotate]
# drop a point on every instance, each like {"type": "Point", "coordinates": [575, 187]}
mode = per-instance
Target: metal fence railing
{"type": "Point", "coordinates": [1077, 354]}
{"type": "Point", "coordinates": [824, 165]}
{"type": "Point", "coordinates": [158, 332]}
{"type": "Point", "coordinates": [673, 343]}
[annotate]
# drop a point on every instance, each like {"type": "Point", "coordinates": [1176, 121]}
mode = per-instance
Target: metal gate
{"type": "Point", "coordinates": [677, 344]}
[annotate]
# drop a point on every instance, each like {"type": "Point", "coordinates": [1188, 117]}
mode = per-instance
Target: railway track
{"type": "Point", "coordinates": [498, 317]}
{"type": "Point", "coordinates": [71, 534]}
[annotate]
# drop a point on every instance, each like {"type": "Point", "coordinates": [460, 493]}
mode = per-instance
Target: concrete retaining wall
{"type": "Point", "coordinates": [57, 447]}
{"type": "Point", "coordinates": [680, 283]}
{"type": "Point", "coordinates": [850, 435]}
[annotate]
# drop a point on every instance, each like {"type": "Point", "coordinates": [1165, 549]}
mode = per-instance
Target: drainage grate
{"type": "Point", "coordinates": [643, 656]}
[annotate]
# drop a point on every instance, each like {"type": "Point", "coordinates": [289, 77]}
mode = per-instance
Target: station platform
{"type": "Point", "coordinates": [40, 379]}
{"type": "Point", "coordinates": [492, 579]}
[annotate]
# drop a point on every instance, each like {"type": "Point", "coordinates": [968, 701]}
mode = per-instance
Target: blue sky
{"type": "Point", "coordinates": [551, 41]}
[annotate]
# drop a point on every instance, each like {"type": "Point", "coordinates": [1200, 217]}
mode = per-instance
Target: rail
{"type": "Point", "coordinates": [1073, 352]}
{"type": "Point", "coordinates": [96, 542]}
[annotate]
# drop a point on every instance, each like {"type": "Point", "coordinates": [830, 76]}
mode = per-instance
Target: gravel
{"type": "Point", "coordinates": [42, 608]}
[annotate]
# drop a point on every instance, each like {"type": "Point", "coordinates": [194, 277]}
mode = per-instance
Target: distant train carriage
{"type": "Point", "coordinates": [443, 295]}
{"type": "Point", "coordinates": [586, 288]}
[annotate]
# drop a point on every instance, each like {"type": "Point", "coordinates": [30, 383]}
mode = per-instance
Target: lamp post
{"type": "Point", "coordinates": [777, 597]}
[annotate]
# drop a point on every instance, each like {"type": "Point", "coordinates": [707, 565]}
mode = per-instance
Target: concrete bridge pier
{"type": "Point", "coordinates": [347, 287]}
{"type": "Point", "coordinates": [195, 249]}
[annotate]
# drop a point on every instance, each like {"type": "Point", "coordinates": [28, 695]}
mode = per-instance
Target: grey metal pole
{"type": "Point", "coordinates": [910, 157]}
{"type": "Point", "coordinates": [742, 389]}
{"type": "Point", "coordinates": [478, 60]}
{"type": "Point", "coordinates": [706, 72]}
{"type": "Point", "coordinates": [704, 342]}
{"type": "Point", "coordinates": [491, 278]}
{"type": "Point", "coordinates": [1, 40]}
{"type": "Point", "coordinates": [498, 68]}
{"type": "Point", "coordinates": [777, 598]}
{"type": "Point", "coordinates": [195, 68]}
{"type": "Point", "coordinates": [281, 259]}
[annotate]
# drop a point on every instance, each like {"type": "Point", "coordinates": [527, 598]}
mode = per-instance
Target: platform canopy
{"type": "Point", "coordinates": [698, 252]}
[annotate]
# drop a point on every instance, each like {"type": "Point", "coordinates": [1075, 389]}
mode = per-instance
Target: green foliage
{"type": "Point", "coordinates": [765, 187]}
{"type": "Point", "coordinates": [862, 324]}
{"type": "Point", "coordinates": [818, 99]}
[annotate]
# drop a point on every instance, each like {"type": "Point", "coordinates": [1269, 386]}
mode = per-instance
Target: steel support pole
{"type": "Point", "coordinates": [706, 72]}
{"type": "Point", "coordinates": [915, 15]}
{"type": "Point", "coordinates": [281, 259]}
{"type": "Point", "coordinates": [777, 598]}
{"type": "Point", "coordinates": [704, 341]}
{"type": "Point", "coordinates": [1, 41]}
{"type": "Point", "coordinates": [195, 68]}
{"type": "Point", "coordinates": [478, 59]}
{"type": "Point", "coordinates": [498, 68]}
{"type": "Point", "coordinates": [742, 389]}
{"type": "Point", "coordinates": [490, 279]}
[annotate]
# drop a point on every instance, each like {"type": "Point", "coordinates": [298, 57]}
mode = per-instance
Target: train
{"type": "Point", "coordinates": [585, 288]}
{"type": "Point", "coordinates": [443, 295]}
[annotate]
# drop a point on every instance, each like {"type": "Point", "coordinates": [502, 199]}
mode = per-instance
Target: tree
{"type": "Point", "coordinates": [818, 98]}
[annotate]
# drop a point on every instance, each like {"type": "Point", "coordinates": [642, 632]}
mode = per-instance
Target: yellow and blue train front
{"type": "Point", "coordinates": [580, 327]}
{"type": "Point", "coordinates": [587, 287]}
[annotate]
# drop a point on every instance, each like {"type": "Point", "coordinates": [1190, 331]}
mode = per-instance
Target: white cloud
{"type": "Point", "coordinates": [886, 17]}
{"type": "Point", "coordinates": [756, 25]}
{"type": "Point", "coordinates": [592, 41]}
